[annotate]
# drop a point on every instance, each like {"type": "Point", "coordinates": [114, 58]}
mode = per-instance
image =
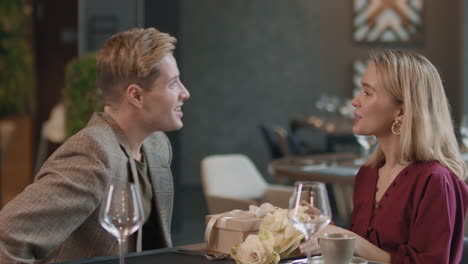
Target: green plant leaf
{"type": "Point", "coordinates": [81, 94]}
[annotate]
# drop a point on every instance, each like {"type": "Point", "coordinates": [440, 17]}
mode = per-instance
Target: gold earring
{"type": "Point", "coordinates": [396, 127]}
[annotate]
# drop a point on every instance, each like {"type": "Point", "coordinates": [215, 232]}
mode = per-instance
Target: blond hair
{"type": "Point", "coordinates": [427, 130]}
{"type": "Point", "coordinates": [131, 57]}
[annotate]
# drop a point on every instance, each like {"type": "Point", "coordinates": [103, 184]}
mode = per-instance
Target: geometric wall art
{"type": "Point", "coordinates": [388, 21]}
{"type": "Point", "coordinates": [359, 67]}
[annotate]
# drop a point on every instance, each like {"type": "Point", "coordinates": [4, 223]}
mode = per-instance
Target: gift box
{"type": "Point", "coordinates": [226, 230]}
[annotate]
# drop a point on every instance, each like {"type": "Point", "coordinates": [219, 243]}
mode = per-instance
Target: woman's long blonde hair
{"type": "Point", "coordinates": [427, 130]}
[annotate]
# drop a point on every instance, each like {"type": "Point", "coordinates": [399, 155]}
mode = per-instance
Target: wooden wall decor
{"type": "Point", "coordinates": [359, 67]}
{"type": "Point", "coordinates": [388, 21]}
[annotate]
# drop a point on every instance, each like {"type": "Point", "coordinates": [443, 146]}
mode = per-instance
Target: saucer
{"type": "Point", "coordinates": [354, 260]}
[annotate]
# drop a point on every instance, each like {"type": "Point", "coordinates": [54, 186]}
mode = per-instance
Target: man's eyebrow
{"type": "Point", "coordinates": [173, 78]}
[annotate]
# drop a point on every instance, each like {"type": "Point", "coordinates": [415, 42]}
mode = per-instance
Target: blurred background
{"type": "Point", "coordinates": [246, 64]}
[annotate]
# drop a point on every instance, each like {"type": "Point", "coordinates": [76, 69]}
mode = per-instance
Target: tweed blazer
{"type": "Point", "coordinates": [56, 218]}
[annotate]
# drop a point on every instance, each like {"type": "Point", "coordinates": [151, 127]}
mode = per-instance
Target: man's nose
{"type": "Point", "coordinates": [185, 93]}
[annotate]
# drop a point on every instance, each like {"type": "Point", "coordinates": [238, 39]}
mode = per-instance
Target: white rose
{"type": "Point", "coordinates": [263, 210]}
{"type": "Point", "coordinates": [286, 238]}
{"type": "Point", "coordinates": [270, 223]}
{"type": "Point", "coordinates": [291, 239]}
{"type": "Point", "coordinates": [291, 249]}
{"type": "Point", "coordinates": [254, 251]}
{"type": "Point", "coordinates": [267, 237]}
{"type": "Point", "coordinates": [282, 216]}
{"type": "Point", "coordinates": [275, 222]}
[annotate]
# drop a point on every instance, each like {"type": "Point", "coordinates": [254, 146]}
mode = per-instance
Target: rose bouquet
{"type": "Point", "coordinates": [276, 239]}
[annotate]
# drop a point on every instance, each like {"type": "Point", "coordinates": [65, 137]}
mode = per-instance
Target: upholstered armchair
{"type": "Point", "coordinates": [231, 181]}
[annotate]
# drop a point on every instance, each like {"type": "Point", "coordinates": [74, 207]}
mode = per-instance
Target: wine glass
{"type": "Point", "coordinates": [366, 142]}
{"type": "Point", "coordinates": [464, 131]}
{"type": "Point", "coordinates": [309, 210]}
{"type": "Point", "coordinates": [321, 105]}
{"type": "Point", "coordinates": [121, 213]}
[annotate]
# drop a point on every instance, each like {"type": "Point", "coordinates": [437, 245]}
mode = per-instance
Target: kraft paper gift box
{"type": "Point", "coordinates": [225, 230]}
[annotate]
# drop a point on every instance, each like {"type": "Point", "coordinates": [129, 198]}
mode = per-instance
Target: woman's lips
{"type": "Point", "coordinates": [356, 117]}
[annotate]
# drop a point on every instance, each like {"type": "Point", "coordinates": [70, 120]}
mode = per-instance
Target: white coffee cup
{"type": "Point", "coordinates": [337, 248]}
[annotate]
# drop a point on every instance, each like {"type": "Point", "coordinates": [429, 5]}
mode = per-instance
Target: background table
{"type": "Point", "coordinates": [328, 168]}
{"type": "Point", "coordinates": [337, 170]}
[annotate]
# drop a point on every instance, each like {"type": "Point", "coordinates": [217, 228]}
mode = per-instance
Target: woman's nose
{"type": "Point", "coordinates": [354, 102]}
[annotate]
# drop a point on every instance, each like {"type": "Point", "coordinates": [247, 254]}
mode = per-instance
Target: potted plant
{"type": "Point", "coordinates": [17, 83]}
{"type": "Point", "coordinates": [17, 78]}
{"type": "Point", "coordinates": [82, 97]}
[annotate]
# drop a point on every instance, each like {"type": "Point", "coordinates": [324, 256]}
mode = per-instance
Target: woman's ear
{"type": "Point", "coordinates": [400, 114]}
{"type": "Point", "coordinates": [134, 94]}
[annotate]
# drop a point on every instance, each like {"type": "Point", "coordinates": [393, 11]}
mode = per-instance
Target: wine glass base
{"type": "Point", "coordinates": [359, 162]}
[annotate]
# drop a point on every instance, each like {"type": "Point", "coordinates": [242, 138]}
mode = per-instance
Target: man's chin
{"type": "Point", "coordinates": [175, 127]}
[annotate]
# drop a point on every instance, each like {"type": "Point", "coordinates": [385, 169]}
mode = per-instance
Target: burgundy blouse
{"type": "Point", "coordinates": [419, 219]}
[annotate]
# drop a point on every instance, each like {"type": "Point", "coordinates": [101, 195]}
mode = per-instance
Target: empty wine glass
{"type": "Point", "coordinates": [121, 213]}
{"type": "Point", "coordinates": [464, 131]}
{"type": "Point", "coordinates": [366, 142]}
{"type": "Point", "coordinates": [321, 103]}
{"type": "Point", "coordinates": [309, 210]}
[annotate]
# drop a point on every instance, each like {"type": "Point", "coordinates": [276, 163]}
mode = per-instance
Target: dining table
{"type": "Point", "coordinates": [165, 255]}
{"type": "Point", "coordinates": [170, 255]}
{"type": "Point", "coordinates": [333, 168]}
{"type": "Point", "coordinates": [337, 170]}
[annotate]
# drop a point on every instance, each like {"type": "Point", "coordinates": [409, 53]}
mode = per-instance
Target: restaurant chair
{"type": "Point", "coordinates": [231, 181]}
{"type": "Point", "coordinates": [290, 144]}
{"type": "Point", "coordinates": [271, 141]}
{"type": "Point", "coordinates": [341, 199]}
{"type": "Point", "coordinates": [281, 136]}
{"type": "Point", "coordinates": [335, 142]}
{"type": "Point", "coordinates": [52, 135]}
{"type": "Point", "coordinates": [464, 259]}
{"type": "Point", "coordinates": [282, 142]}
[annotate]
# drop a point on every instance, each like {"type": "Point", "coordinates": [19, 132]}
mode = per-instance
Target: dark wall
{"type": "Point", "coordinates": [165, 16]}
{"type": "Point", "coordinates": [247, 62]}
{"type": "Point", "coordinates": [464, 43]}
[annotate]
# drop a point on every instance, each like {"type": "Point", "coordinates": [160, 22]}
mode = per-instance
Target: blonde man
{"type": "Point", "coordinates": [56, 218]}
{"type": "Point", "coordinates": [410, 199]}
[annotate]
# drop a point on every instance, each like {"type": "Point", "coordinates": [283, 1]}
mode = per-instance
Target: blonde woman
{"type": "Point", "coordinates": [410, 199]}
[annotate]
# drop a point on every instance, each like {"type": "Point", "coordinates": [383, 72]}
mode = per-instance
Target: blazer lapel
{"type": "Point", "coordinates": [158, 171]}
{"type": "Point", "coordinates": [122, 141]}
{"type": "Point", "coordinates": [160, 175]}
{"type": "Point", "coordinates": [131, 162]}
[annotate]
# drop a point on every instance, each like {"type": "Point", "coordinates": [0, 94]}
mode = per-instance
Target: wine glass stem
{"type": "Point", "coordinates": [308, 250]}
{"type": "Point", "coordinates": [365, 152]}
{"type": "Point", "coordinates": [122, 242]}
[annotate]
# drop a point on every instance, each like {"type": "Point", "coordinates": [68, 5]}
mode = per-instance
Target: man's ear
{"type": "Point", "coordinates": [134, 94]}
